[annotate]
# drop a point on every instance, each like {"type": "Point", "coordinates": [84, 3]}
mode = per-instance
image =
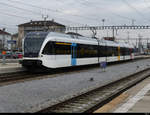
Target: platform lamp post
{"type": "Point", "coordinates": [3, 40]}
{"type": "Point", "coordinates": [133, 22]}
{"type": "Point", "coordinates": [103, 21]}
{"type": "Point", "coordinates": [45, 23]}
{"type": "Point", "coordinates": [128, 34]}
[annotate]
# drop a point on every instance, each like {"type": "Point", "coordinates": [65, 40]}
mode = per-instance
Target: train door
{"type": "Point", "coordinates": [131, 53]}
{"type": "Point", "coordinates": [73, 54]}
{"type": "Point", "coordinates": [119, 53]}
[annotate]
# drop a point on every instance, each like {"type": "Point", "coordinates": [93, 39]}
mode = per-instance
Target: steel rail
{"type": "Point", "coordinates": [92, 100]}
{"type": "Point", "coordinates": [25, 75]}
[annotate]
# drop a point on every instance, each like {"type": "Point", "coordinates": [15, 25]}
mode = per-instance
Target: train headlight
{"type": "Point", "coordinates": [41, 55]}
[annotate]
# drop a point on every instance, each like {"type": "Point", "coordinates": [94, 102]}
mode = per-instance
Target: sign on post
{"type": "Point", "coordinates": [11, 41]}
{"type": "Point", "coordinates": [4, 52]}
{"type": "Point", "coordinates": [4, 58]}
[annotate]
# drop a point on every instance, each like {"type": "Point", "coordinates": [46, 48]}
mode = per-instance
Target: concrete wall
{"type": "Point", "coordinates": [21, 34]}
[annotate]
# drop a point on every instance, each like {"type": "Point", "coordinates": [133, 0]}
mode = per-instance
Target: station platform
{"type": "Point", "coordinates": [138, 100]}
{"type": "Point", "coordinates": [32, 96]}
{"type": "Point", "coordinates": [10, 60]}
{"type": "Point", "coordinates": [10, 68]}
{"type": "Point", "coordinates": [134, 100]}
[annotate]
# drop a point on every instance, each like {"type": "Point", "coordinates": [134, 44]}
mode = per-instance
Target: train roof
{"type": "Point", "coordinates": [78, 39]}
{"type": "Point", "coordinates": [85, 40]}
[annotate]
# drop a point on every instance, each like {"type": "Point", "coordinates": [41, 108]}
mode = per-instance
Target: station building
{"type": "Point", "coordinates": [15, 39]}
{"type": "Point", "coordinates": [4, 38]}
{"type": "Point", "coordinates": [31, 26]}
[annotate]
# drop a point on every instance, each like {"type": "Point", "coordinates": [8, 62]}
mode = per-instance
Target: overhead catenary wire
{"type": "Point", "coordinates": [13, 15]}
{"type": "Point", "coordinates": [17, 16]}
{"type": "Point", "coordinates": [112, 13]}
{"type": "Point", "coordinates": [8, 25]}
{"type": "Point", "coordinates": [57, 11]}
{"type": "Point", "coordinates": [23, 9]}
{"type": "Point", "coordinates": [52, 10]}
{"type": "Point", "coordinates": [137, 11]}
{"type": "Point", "coordinates": [147, 4]}
{"type": "Point", "coordinates": [33, 12]}
{"type": "Point", "coordinates": [123, 17]}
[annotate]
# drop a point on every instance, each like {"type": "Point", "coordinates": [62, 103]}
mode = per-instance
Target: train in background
{"type": "Point", "coordinates": [56, 50]}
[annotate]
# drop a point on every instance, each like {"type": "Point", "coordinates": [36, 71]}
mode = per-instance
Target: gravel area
{"type": "Point", "coordinates": [30, 96]}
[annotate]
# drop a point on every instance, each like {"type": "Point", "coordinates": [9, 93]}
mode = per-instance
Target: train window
{"type": "Point", "coordinates": [127, 51]}
{"type": "Point", "coordinates": [32, 47]}
{"type": "Point", "coordinates": [49, 49]}
{"type": "Point", "coordinates": [103, 51]}
{"type": "Point", "coordinates": [84, 51]}
{"type": "Point", "coordinates": [62, 49]}
{"type": "Point", "coordinates": [110, 51]}
{"type": "Point", "coordinates": [132, 50]}
{"type": "Point", "coordinates": [33, 42]}
{"type": "Point", "coordinates": [53, 48]}
{"type": "Point", "coordinates": [122, 51]}
{"type": "Point", "coordinates": [115, 51]}
{"type": "Point", "coordinates": [87, 51]}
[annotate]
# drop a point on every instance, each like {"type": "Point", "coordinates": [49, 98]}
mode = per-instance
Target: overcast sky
{"type": "Point", "coordinates": [74, 12]}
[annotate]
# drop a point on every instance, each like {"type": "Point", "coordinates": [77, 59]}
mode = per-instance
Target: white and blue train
{"type": "Point", "coordinates": [56, 50]}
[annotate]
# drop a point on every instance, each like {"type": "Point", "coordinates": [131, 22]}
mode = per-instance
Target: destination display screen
{"type": "Point", "coordinates": [36, 35]}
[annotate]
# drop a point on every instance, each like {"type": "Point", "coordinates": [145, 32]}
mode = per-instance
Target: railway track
{"type": "Point", "coordinates": [23, 76]}
{"type": "Point", "coordinates": [94, 99]}
{"type": "Point", "coordinates": [8, 78]}
{"type": "Point", "coordinates": [16, 77]}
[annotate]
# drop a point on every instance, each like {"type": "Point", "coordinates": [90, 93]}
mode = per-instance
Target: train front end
{"type": "Point", "coordinates": [31, 49]}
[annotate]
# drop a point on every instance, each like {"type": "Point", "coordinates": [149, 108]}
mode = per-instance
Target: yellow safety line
{"type": "Point", "coordinates": [63, 43]}
{"type": "Point", "coordinates": [111, 105]}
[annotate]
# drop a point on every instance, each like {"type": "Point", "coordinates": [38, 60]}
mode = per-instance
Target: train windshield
{"type": "Point", "coordinates": [33, 43]}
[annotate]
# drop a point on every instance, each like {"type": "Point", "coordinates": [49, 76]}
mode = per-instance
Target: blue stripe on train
{"type": "Point", "coordinates": [73, 52]}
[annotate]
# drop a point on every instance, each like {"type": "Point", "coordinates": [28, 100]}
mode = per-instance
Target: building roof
{"type": "Point", "coordinates": [5, 33]}
{"type": "Point", "coordinates": [41, 23]}
{"type": "Point", "coordinates": [15, 35]}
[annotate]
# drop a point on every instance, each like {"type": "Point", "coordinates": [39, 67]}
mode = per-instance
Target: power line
{"type": "Point", "coordinates": [146, 3]}
{"type": "Point", "coordinates": [25, 10]}
{"type": "Point", "coordinates": [8, 25]}
{"type": "Point", "coordinates": [13, 15]}
{"type": "Point", "coordinates": [29, 11]}
{"type": "Point", "coordinates": [33, 11]}
{"type": "Point", "coordinates": [137, 11]}
{"type": "Point", "coordinates": [123, 17]}
{"type": "Point", "coordinates": [57, 11]}
{"type": "Point", "coordinates": [33, 5]}
{"type": "Point", "coordinates": [115, 14]}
